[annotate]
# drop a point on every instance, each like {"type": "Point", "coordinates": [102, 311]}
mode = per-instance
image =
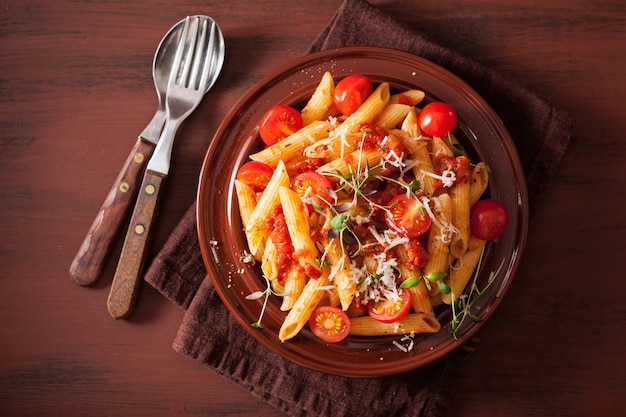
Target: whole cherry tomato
{"type": "Point", "coordinates": [278, 123]}
{"type": "Point", "coordinates": [437, 119]}
{"type": "Point", "coordinates": [351, 92]}
{"type": "Point", "coordinates": [488, 219]}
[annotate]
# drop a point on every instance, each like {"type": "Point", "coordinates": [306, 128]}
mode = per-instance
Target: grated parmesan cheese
{"type": "Point", "coordinates": [447, 177]}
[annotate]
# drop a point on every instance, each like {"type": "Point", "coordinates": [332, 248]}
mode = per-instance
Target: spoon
{"type": "Point", "coordinates": [92, 255]}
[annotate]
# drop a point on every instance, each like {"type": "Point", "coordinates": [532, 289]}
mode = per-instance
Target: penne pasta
{"type": "Point", "coordinates": [460, 196]}
{"type": "Point", "coordinates": [255, 229]}
{"type": "Point", "coordinates": [360, 212]}
{"type": "Point", "coordinates": [299, 314]}
{"type": "Point", "coordinates": [412, 323]}
{"type": "Point", "coordinates": [440, 148]}
{"type": "Point", "coordinates": [304, 248]}
{"type": "Point", "coordinates": [392, 115]}
{"type": "Point", "coordinates": [356, 161]}
{"type": "Point", "coordinates": [269, 266]}
{"type": "Point", "coordinates": [295, 282]}
{"type": "Point", "coordinates": [320, 102]}
{"type": "Point", "coordinates": [292, 146]}
{"type": "Point", "coordinates": [420, 297]}
{"type": "Point", "coordinates": [370, 109]}
{"type": "Point", "coordinates": [463, 270]}
{"type": "Point", "coordinates": [341, 272]}
{"type": "Point", "coordinates": [479, 178]}
{"type": "Point", "coordinates": [332, 147]}
{"type": "Point", "coordinates": [410, 97]}
{"type": "Point", "coordinates": [246, 197]}
{"type": "Point", "coordinates": [439, 237]}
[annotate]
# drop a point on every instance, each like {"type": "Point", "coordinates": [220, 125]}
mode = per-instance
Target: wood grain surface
{"type": "Point", "coordinates": [76, 90]}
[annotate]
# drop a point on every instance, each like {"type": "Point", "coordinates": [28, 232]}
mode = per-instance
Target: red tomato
{"type": "Point", "coordinates": [278, 123]}
{"type": "Point", "coordinates": [351, 92]}
{"type": "Point", "coordinates": [391, 310]}
{"type": "Point", "coordinates": [437, 119]}
{"type": "Point", "coordinates": [407, 216]}
{"type": "Point", "coordinates": [331, 324]}
{"type": "Point", "coordinates": [255, 174]}
{"type": "Point", "coordinates": [312, 185]}
{"type": "Point", "coordinates": [488, 219]}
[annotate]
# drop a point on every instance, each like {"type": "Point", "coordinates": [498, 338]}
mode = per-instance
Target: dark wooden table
{"type": "Point", "coordinates": [76, 90]}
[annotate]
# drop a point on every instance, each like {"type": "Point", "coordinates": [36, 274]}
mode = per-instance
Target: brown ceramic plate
{"type": "Point", "coordinates": [223, 242]}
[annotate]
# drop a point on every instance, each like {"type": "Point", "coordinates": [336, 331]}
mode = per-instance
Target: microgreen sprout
{"type": "Point", "coordinates": [258, 294]}
{"type": "Point", "coordinates": [410, 282]}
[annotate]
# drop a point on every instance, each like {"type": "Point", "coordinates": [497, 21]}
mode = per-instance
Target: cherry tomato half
{"type": "Point", "coordinates": [488, 219]}
{"type": "Point", "coordinates": [255, 174]}
{"type": "Point", "coordinates": [331, 324]}
{"type": "Point", "coordinates": [351, 92]}
{"type": "Point", "coordinates": [437, 119]}
{"type": "Point", "coordinates": [278, 123]}
{"type": "Point", "coordinates": [391, 310]}
{"type": "Point", "coordinates": [312, 185]}
{"type": "Point", "coordinates": [407, 216]}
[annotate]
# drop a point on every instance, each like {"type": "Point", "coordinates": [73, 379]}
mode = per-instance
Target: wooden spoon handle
{"type": "Point", "coordinates": [92, 255]}
{"type": "Point", "coordinates": [129, 270]}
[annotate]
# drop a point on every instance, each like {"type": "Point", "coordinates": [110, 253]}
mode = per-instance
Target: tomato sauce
{"type": "Point", "coordinates": [459, 165]}
{"type": "Point", "coordinates": [417, 254]}
{"type": "Point", "coordinates": [277, 229]}
{"type": "Point", "coordinates": [372, 136]}
{"type": "Point", "coordinates": [308, 164]}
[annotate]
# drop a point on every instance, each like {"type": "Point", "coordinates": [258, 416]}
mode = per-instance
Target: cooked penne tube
{"type": "Point", "coordinates": [356, 161]}
{"type": "Point", "coordinates": [292, 146]}
{"type": "Point", "coordinates": [340, 273]}
{"type": "Point", "coordinates": [255, 229]}
{"type": "Point", "coordinates": [392, 115]}
{"type": "Point", "coordinates": [479, 178]}
{"type": "Point", "coordinates": [270, 268]}
{"type": "Point", "coordinates": [299, 314]}
{"type": "Point", "coordinates": [295, 281]}
{"type": "Point", "coordinates": [460, 195]}
{"type": "Point", "coordinates": [320, 102]}
{"type": "Point", "coordinates": [335, 146]}
{"type": "Point", "coordinates": [370, 109]}
{"type": "Point", "coordinates": [304, 249]}
{"type": "Point", "coordinates": [463, 269]}
{"type": "Point", "coordinates": [410, 125]}
{"type": "Point", "coordinates": [412, 323]}
{"type": "Point", "coordinates": [439, 237]}
{"type": "Point", "coordinates": [411, 97]}
{"type": "Point", "coordinates": [440, 148]}
{"type": "Point", "coordinates": [246, 197]}
{"type": "Point", "coordinates": [420, 298]}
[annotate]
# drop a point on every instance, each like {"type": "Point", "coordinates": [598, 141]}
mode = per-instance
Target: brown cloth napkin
{"type": "Point", "coordinates": [210, 335]}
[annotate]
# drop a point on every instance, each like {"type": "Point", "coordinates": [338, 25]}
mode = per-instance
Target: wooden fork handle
{"type": "Point", "coordinates": [94, 251]}
{"type": "Point", "coordinates": [128, 274]}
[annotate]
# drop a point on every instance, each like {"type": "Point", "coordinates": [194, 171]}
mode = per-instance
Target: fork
{"type": "Point", "coordinates": [197, 64]}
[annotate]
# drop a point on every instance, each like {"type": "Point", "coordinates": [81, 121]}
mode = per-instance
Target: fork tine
{"type": "Point", "coordinates": [209, 59]}
{"type": "Point", "coordinates": [188, 60]}
{"type": "Point", "coordinates": [179, 54]}
{"type": "Point", "coordinates": [197, 60]}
